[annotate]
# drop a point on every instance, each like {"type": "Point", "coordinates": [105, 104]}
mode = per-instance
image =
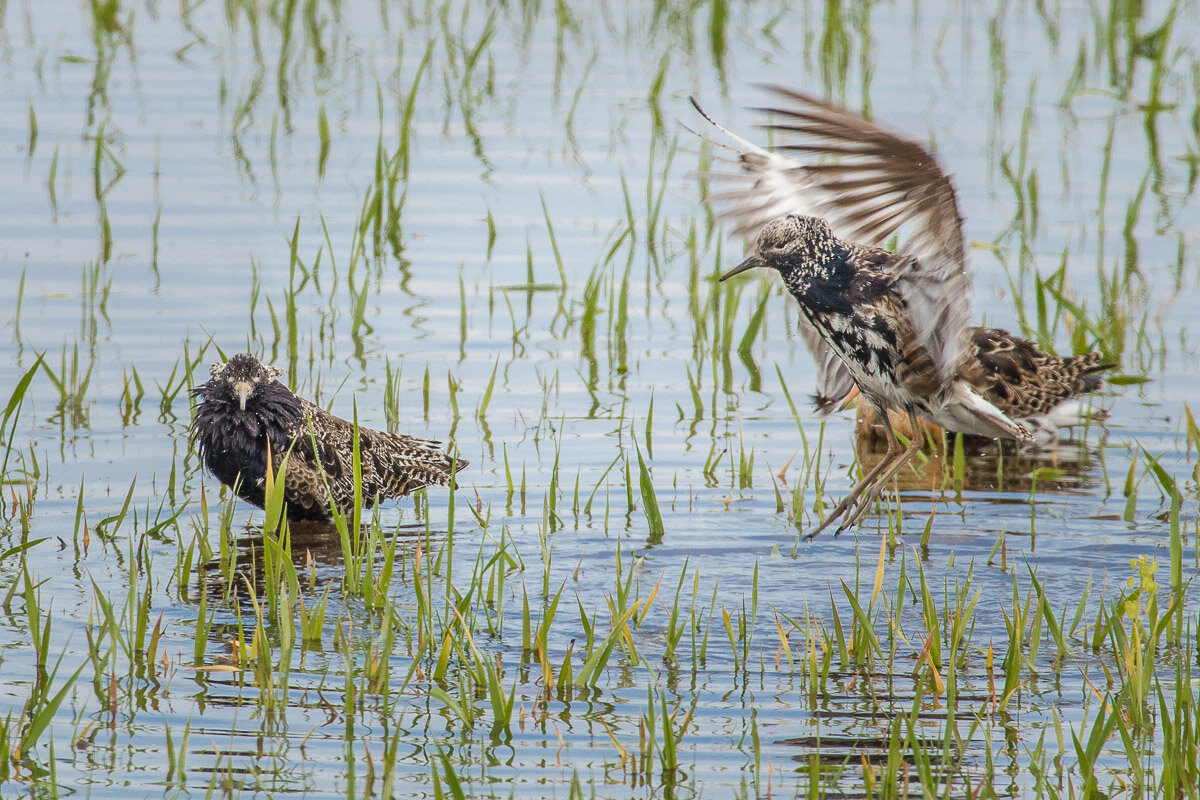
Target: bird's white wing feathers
{"type": "Point", "coordinates": [877, 184]}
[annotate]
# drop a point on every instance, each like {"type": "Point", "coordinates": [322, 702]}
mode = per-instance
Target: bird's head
{"type": "Point", "coordinates": [788, 242]}
{"type": "Point", "coordinates": [242, 377]}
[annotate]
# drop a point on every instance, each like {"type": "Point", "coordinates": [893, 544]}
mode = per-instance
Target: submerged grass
{"type": "Point", "coordinates": [909, 646]}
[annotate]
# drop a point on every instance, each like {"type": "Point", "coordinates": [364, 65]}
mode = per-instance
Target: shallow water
{"type": "Point", "coordinates": [177, 164]}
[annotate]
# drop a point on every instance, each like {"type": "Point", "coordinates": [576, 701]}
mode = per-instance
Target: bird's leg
{"type": "Point", "coordinates": [887, 475]}
{"type": "Point", "coordinates": [893, 452]}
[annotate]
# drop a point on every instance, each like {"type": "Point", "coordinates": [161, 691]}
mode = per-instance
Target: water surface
{"type": "Point", "coordinates": [183, 179]}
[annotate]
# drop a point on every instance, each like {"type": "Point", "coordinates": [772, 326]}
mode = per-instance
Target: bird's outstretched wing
{"type": "Point", "coordinates": [869, 184]}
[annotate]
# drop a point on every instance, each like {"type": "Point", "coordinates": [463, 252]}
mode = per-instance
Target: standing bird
{"type": "Point", "coordinates": [892, 325]}
{"type": "Point", "coordinates": [246, 420]}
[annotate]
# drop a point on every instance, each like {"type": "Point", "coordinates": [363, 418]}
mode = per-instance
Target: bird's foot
{"type": "Point", "coordinates": [856, 504]}
{"type": "Point", "coordinates": [859, 511]}
{"type": "Point", "coordinates": [808, 537]}
{"type": "Point", "coordinates": [838, 512]}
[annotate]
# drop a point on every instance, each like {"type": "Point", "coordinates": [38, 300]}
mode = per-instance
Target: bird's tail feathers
{"type": "Point", "coordinates": [1066, 414]}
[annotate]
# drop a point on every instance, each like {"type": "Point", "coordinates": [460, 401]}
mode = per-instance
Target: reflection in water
{"type": "Point", "coordinates": [317, 553]}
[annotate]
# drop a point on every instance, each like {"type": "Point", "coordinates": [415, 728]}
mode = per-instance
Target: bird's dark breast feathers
{"type": "Point", "coordinates": [856, 319]}
{"type": "Point", "coordinates": [852, 301]}
{"type": "Point", "coordinates": [867, 348]}
{"type": "Point", "coordinates": [881, 350]}
{"type": "Point", "coordinates": [850, 280]}
{"type": "Point", "coordinates": [234, 443]}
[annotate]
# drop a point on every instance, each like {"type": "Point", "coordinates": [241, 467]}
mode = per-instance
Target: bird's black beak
{"type": "Point", "coordinates": [749, 263]}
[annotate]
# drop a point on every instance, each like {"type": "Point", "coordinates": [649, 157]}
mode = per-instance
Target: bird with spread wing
{"type": "Point", "coordinates": [893, 326]}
